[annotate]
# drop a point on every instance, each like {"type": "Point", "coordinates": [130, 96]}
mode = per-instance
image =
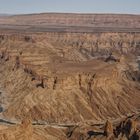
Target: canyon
{"type": "Point", "coordinates": [70, 77]}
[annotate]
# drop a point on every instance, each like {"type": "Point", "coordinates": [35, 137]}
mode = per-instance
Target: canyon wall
{"type": "Point", "coordinates": [98, 72]}
{"type": "Point", "coordinates": [70, 76]}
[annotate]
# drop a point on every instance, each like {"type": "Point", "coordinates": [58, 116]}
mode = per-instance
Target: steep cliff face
{"type": "Point", "coordinates": [60, 79]}
{"type": "Point", "coordinates": [59, 85]}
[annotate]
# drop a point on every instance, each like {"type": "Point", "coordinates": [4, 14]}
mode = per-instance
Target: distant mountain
{"type": "Point", "coordinates": [72, 22]}
{"type": "Point", "coordinates": [3, 15]}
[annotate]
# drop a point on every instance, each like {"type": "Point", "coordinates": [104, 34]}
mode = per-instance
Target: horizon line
{"type": "Point", "coordinates": [98, 13]}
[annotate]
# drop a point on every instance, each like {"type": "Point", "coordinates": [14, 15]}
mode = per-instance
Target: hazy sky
{"type": "Point", "coordinates": [84, 6]}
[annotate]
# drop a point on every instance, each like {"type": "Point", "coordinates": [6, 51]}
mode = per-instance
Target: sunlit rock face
{"type": "Point", "coordinates": [57, 85]}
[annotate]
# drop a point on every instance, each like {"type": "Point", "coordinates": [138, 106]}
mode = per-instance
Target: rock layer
{"type": "Point", "coordinates": [59, 85]}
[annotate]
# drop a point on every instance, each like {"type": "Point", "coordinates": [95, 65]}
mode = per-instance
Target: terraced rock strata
{"type": "Point", "coordinates": [77, 86]}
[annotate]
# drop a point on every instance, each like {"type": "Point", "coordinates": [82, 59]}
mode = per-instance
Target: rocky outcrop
{"type": "Point", "coordinates": [69, 79]}
{"type": "Point", "coordinates": [45, 80]}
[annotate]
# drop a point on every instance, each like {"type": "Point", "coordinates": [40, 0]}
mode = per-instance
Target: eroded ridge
{"type": "Point", "coordinates": [69, 85]}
